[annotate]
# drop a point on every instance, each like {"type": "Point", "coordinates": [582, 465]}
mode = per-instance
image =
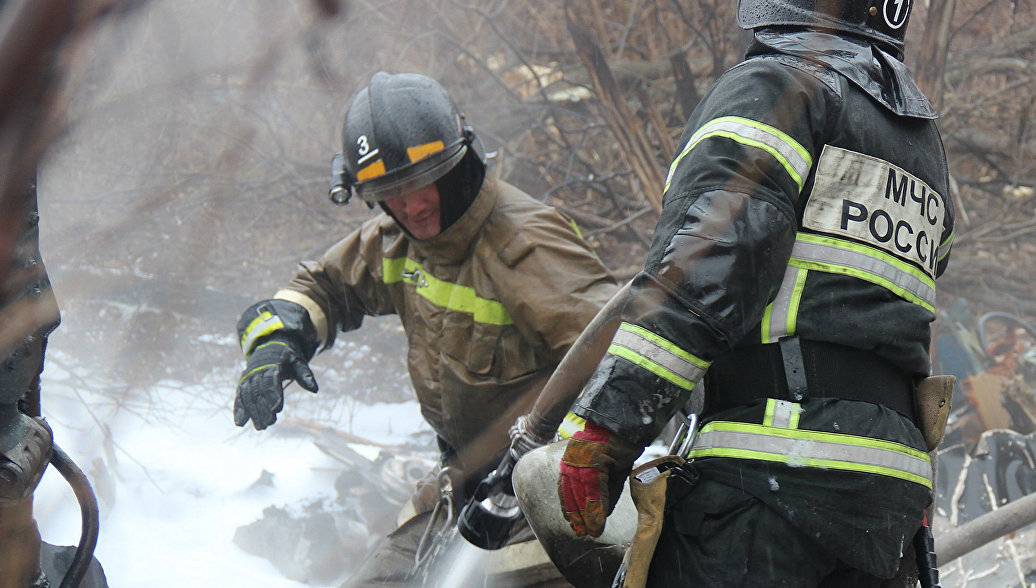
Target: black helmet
{"type": "Point", "coordinates": [884, 21]}
{"type": "Point", "coordinates": [401, 133]}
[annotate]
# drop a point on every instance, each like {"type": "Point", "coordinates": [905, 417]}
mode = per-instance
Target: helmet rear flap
{"type": "Point", "coordinates": [882, 21]}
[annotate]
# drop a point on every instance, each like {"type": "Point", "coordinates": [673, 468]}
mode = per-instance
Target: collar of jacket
{"type": "Point", "coordinates": [871, 68]}
{"type": "Point", "coordinates": [454, 244]}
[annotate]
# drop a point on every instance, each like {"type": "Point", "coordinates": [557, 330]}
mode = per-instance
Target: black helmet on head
{"type": "Point", "coordinates": [883, 21]}
{"type": "Point", "coordinates": [401, 133]}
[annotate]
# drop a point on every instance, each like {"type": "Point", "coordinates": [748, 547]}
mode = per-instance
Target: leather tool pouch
{"type": "Point", "coordinates": [648, 490]}
{"type": "Point", "coordinates": [932, 407]}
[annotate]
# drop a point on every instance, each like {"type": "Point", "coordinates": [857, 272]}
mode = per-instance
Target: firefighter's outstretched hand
{"type": "Point", "coordinates": [593, 469]}
{"type": "Point", "coordinates": [260, 392]}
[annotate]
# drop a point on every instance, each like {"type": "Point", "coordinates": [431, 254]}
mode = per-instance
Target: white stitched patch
{"type": "Point", "coordinates": [869, 199]}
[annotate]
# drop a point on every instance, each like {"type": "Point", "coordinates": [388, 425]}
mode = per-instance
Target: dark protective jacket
{"type": "Point", "coordinates": [489, 306]}
{"type": "Point", "coordinates": [28, 311]}
{"type": "Point", "coordinates": [809, 199]}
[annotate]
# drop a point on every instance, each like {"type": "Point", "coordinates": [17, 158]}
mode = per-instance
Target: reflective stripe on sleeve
{"type": "Point", "coordinates": [787, 151]}
{"type": "Point", "coordinates": [813, 449]}
{"type": "Point", "coordinates": [780, 316]}
{"type": "Point", "coordinates": [944, 247]}
{"type": "Point", "coordinates": [657, 355]}
{"type": "Point", "coordinates": [837, 256]}
{"type": "Point", "coordinates": [262, 325]}
{"type": "Point", "coordinates": [571, 425]}
{"type": "Point", "coordinates": [444, 294]}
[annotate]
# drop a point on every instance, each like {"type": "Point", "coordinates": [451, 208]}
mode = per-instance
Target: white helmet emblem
{"type": "Point", "coordinates": [896, 12]}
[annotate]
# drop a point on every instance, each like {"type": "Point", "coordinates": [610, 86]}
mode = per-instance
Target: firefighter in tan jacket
{"type": "Point", "coordinates": [492, 287]}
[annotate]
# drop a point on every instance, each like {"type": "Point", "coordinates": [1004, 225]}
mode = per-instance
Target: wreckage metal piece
{"type": "Point", "coordinates": [986, 493]}
{"type": "Point", "coordinates": [1004, 316]}
{"type": "Point", "coordinates": [976, 533]}
{"type": "Point", "coordinates": [1000, 469]}
{"type": "Point", "coordinates": [583, 560]}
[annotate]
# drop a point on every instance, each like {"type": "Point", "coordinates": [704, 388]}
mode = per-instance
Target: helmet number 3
{"type": "Point", "coordinates": [363, 149]}
{"type": "Point", "coordinates": [896, 12]}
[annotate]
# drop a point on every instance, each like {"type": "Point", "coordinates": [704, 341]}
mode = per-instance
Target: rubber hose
{"type": "Point", "coordinates": [91, 517]}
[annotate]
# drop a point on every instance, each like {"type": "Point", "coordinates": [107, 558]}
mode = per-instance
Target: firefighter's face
{"type": "Point", "coordinates": [418, 212]}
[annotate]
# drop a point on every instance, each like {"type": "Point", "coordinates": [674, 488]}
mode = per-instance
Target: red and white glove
{"type": "Point", "coordinates": [593, 469]}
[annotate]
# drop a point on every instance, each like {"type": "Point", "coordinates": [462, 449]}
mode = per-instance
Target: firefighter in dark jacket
{"type": "Point", "coordinates": [792, 274]}
{"type": "Point", "coordinates": [491, 286]}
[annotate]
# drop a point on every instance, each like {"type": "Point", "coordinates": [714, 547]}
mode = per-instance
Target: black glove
{"type": "Point", "coordinates": [260, 393]}
{"type": "Point", "coordinates": [278, 339]}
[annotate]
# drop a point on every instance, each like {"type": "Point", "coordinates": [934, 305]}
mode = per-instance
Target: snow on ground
{"type": "Point", "coordinates": [173, 482]}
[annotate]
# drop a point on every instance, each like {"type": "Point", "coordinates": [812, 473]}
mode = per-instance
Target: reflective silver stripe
{"type": "Point", "coordinates": [864, 262]}
{"type": "Point", "coordinates": [813, 449]}
{"type": "Point", "coordinates": [781, 315]}
{"type": "Point", "coordinates": [788, 152]}
{"type": "Point", "coordinates": [262, 325]}
{"type": "Point", "coordinates": [782, 414]}
{"type": "Point", "coordinates": [657, 355]}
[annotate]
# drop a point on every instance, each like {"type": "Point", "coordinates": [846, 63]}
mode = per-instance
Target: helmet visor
{"type": "Point", "coordinates": [406, 179]}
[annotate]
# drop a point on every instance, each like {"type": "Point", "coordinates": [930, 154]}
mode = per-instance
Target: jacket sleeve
{"type": "Point", "coordinates": [555, 284]}
{"type": "Point", "coordinates": [719, 251]}
{"type": "Point", "coordinates": [344, 285]}
{"type": "Point", "coordinates": [948, 232]}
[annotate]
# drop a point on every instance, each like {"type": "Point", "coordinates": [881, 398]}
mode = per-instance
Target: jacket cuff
{"type": "Point", "coordinates": [316, 314]}
{"type": "Point", "coordinates": [268, 318]}
{"type": "Point", "coordinates": [632, 403]}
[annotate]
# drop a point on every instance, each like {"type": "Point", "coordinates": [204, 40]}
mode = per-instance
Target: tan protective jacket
{"type": "Point", "coordinates": [489, 306]}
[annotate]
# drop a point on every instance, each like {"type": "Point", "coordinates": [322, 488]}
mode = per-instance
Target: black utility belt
{"type": "Point", "coordinates": [831, 371]}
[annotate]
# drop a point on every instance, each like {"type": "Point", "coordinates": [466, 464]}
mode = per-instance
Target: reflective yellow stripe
{"type": "Point", "coordinates": [262, 325]}
{"type": "Point", "coordinates": [572, 424]}
{"type": "Point", "coordinates": [371, 171]}
{"type": "Point", "coordinates": [657, 355]}
{"type": "Point", "coordinates": [782, 413]}
{"type": "Point", "coordinates": [444, 294]}
{"type": "Point", "coordinates": [781, 316]}
{"type": "Point", "coordinates": [262, 367]}
{"type": "Point", "coordinates": [787, 151]}
{"type": "Point", "coordinates": [651, 367]}
{"type": "Point", "coordinates": [944, 247]}
{"type": "Point", "coordinates": [813, 449]}
{"type": "Point", "coordinates": [837, 256]}
{"type": "Point", "coordinates": [419, 152]}
{"type": "Point", "coordinates": [575, 228]}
